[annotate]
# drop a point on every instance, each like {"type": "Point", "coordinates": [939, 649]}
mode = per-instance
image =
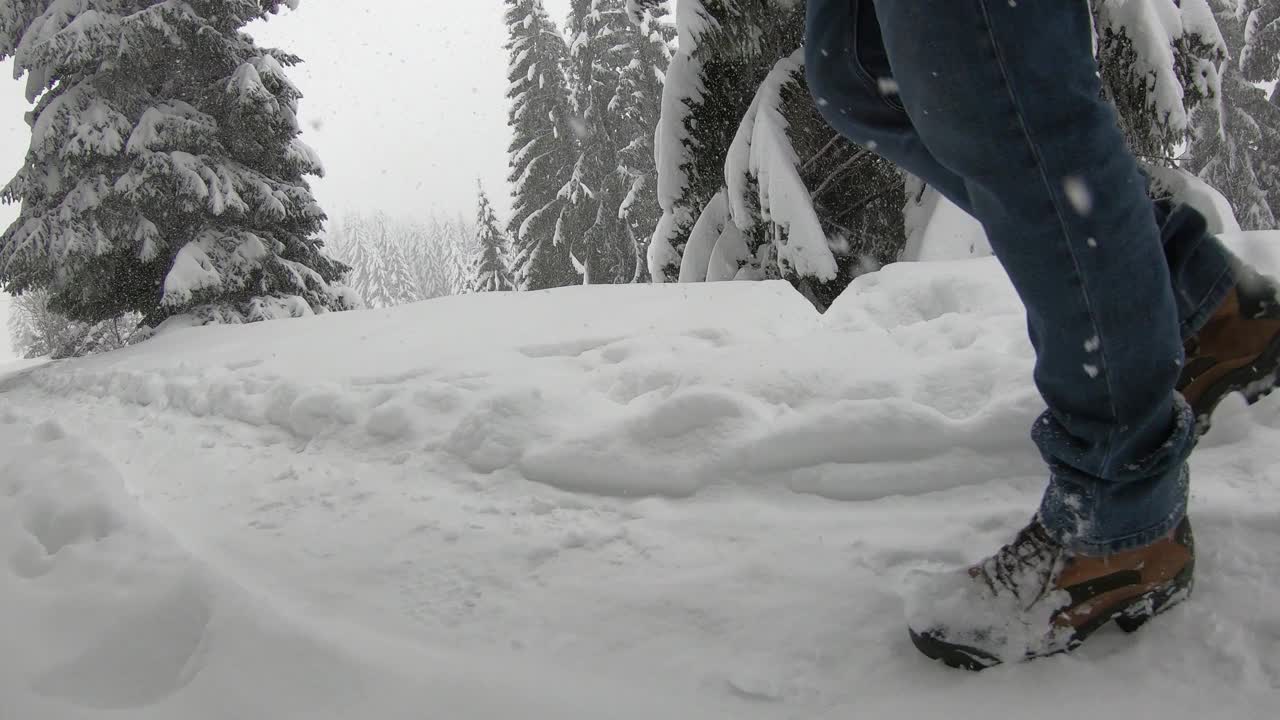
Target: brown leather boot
{"type": "Point", "coordinates": [1034, 598]}
{"type": "Point", "coordinates": [1238, 351]}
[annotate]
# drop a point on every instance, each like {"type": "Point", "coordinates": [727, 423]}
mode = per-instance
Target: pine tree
{"type": "Point", "coordinates": [736, 105]}
{"type": "Point", "coordinates": [491, 272]}
{"type": "Point", "coordinates": [1237, 145]}
{"type": "Point", "coordinates": [365, 261]}
{"type": "Point", "coordinates": [1158, 61]}
{"type": "Point", "coordinates": [165, 174]}
{"type": "Point", "coordinates": [439, 251]}
{"type": "Point", "coordinates": [599, 187]}
{"type": "Point", "coordinates": [637, 105]}
{"type": "Point", "coordinates": [709, 86]}
{"type": "Point", "coordinates": [460, 252]}
{"type": "Point", "coordinates": [830, 211]}
{"type": "Point", "coordinates": [358, 257]}
{"type": "Point", "coordinates": [396, 260]}
{"type": "Point", "coordinates": [382, 272]}
{"type": "Point", "coordinates": [543, 147]}
{"type": "Point", "coordinates": [1260, 51]}
{"type": "Point", "coordinates": [427, 258]}
{"type": "Point", "coordinates": [402, 285]}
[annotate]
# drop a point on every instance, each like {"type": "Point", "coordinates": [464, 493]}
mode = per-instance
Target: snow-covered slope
{"type": "Point", "coordinates": [638, 502]}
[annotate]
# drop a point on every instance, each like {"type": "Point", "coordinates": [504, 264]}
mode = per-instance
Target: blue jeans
{"type": "Point", "coordinates": [998, 106]}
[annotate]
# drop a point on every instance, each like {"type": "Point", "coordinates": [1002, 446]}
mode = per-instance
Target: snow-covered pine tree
{"type": "Point", "coordinates": [1159, 61]}
{"type": "Point", "coordinates": [736, 107]}
{"type": "Point", "coordinates": [724, 54]}
{"type": "Point", "coordinates": [383, 272]}
{"type": "Point", "coordinates": [427, 258]}
{"type": "Point", "coordinates": [491, 272]}
{"type": "Point", "coordinates": [460, 252]}
{"type": "Point", "coordinates": [1237, 143]}
{"type": "Point", "coordinates": [543, 147]}
{"type": "Point", "coordinates": [361, 255]}
{"type": "Point", "coordinates": [397, 260]}
{"type": "Point", "coordinates": [637, 105]}
{"type": "Point", "coordinates": [401, 282]}
{"type": "Point", "coordinates": [829, 211]}
{"type": "Point", "coordinates": [1260, 52]}
{"type": "Point", "coordinates": [165, 174]}
{"type": "Point", "coordinates": [602, 45]}
{"type": "Point", "coordinates": [348, 244]}
{"type": "Point", "coordinates": [439, 251]}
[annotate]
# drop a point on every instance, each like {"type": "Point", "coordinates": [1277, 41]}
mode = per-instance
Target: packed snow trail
{"type": "Point", "coordinates": [634, 502]}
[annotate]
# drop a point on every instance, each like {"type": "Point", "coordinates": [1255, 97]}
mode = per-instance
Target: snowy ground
{"type": "Point", "coordinates": [625, 502]}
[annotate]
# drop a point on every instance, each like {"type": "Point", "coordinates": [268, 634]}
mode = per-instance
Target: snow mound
{"type": "Point", "coordinates": [657, 391]}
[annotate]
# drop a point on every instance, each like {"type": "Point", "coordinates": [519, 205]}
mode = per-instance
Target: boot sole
{"type": "Point", "coordinates": [1129, 615]}
{"type": "Point", "coordinates": [1255, 381]}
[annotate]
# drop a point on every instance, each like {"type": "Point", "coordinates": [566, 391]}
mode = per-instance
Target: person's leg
{"type": "Point", "coordinates": [849, 75]}
{"type": "Point", "coordinates": [1007, 97]}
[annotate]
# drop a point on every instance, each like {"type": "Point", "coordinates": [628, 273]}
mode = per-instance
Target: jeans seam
{"type": "Point", "coordinates": [1057, 209]}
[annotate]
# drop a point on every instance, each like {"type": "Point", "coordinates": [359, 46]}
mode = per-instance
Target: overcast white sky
{"type": "Point", "coordinates": [405, 102]}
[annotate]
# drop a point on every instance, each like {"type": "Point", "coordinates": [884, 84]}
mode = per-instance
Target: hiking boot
{"type": "Point", "coordinates": [1237, 351]}
{"type": "Point", "coordinates": [1034, 598]}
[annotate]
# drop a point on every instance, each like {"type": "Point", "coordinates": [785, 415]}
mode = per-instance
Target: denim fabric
{"type": "Point", "coordinates": [997, 104]}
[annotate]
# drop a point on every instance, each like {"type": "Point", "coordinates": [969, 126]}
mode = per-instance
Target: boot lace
{"type": "Point", "coordinates": [1025, 567]}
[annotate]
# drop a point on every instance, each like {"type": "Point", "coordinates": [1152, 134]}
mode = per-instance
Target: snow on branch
{"type": "Point", "coordinates": [763, 150]}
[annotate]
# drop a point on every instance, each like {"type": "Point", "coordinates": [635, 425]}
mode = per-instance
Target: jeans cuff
{"type": "Point", "coordinates": [1095, 547]}
{"type": "Point", "coordinates": [1096, 516]}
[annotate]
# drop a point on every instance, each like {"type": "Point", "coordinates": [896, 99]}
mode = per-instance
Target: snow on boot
{"type": "Point", "coordinates": [1237, 351]}
{"type": "Point", "coordinates": [1035, 598]}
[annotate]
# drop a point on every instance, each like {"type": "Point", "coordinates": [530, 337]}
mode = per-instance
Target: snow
{"type": "Point", "coordinates": [1154, 27]}
{"type": "Point", "coordinates": [681, 91]}
{"type": "Point", "coordinates": [939, 230]}
{"type": "Point", "coordinates": [783, 197]}
{"type": "Point", "coordinates": [731, 256]}
{"type": "Point", "coordinates": [703, 239]}
{"type": "Point", "coordinates": [192, 272]}
{"type": "Point", "coordinates": [1183, 187]}
{"type": "Point", "coordinates": [686, 501]}
{"type": "Point", "coordinates": [1078, 194]}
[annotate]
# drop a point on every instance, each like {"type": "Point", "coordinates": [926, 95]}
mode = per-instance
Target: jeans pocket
{"type": "Point", "coordinates": [868, 56]}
